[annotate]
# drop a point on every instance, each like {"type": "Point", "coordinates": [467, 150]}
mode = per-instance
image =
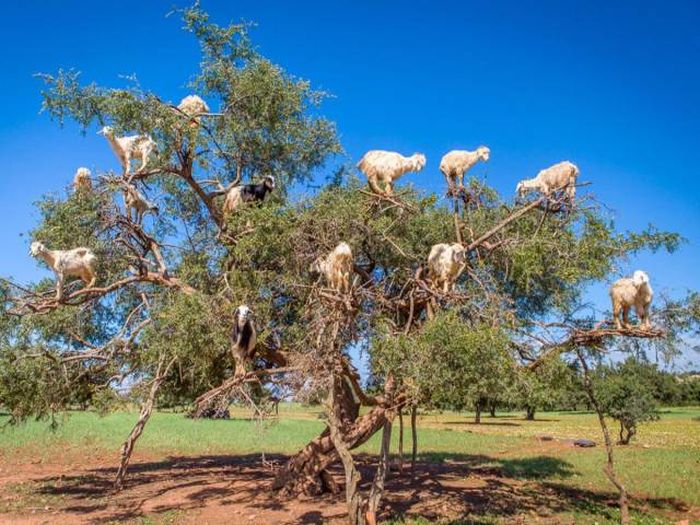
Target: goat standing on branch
{"type": "Point", "coordinates": [126, 149]}
{"type": "Point", "coordinates": [457, 162]}
{"type": "Point", "coordinates": [243, 338]}
{"type": "Point", "coordinates": [445, 264]}
{"type": "Point", "coordinates": [387, 167]}
{"type": "Point", "coordinates": [82, 181]}
{"type": "Point", "coordinates": [561, 176]}
{"type": "Point", "coordinates": [134, 201]}
{"type": "Point", "coordinates": [78, 262]}
{"type": "Point", "coordinates": [336, 267]}
{"type": "Point", "coordinates": [193, 106]}
{"type": "Point", "coordinates": [628, 292]}
{"type": "Point", "coordinates": [237, 195]}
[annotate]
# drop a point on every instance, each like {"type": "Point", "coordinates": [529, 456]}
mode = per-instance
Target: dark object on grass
{"type": "Point", "coordinates": [585, 443]}
{"type": "Point", "coordinates": [545, 438]}
{"type": "Point", "coordinates": [215, 413]}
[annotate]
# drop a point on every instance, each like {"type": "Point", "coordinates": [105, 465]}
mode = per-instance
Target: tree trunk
{"type": "Point", "coordinates": [377, 490]}
{"type": "Point", "coordinates": [492, 409]}
{"type": "Point", "coordinates": [530, 413]}
{"type": "Point", "coordinates": [400, 440]}
{"type": "Point", "coordinates": [609, 469]}
{"type": "Point", "coordinates": [626, 434]}
{"type": "Point", "coordinates": [477, 416]}
{"type": "Point", "coordinates": [361, 510]}
{"type": "Point", "coordinates": [414, 438]}
{"type": "Point", "coordinates": [304, 472]}
{"type": "Point", "coordinates": [144, 416]}
{"type": "Point", "coordinates": [353, 497]}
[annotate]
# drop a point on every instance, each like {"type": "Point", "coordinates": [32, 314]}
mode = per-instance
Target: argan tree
{"type": "Point", "coordinates": [160, 315]}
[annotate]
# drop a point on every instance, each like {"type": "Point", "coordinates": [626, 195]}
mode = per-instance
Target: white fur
{"type": "Point", "coordinates": [78, 262]}
{"type": "Point", "coordinates": [336, 267]}
{"type": "Point", "coordinates": [560, 176]}
{"type": "Point", "coordinates": [81, 180]}
{"type": "Point", "coordinates": [387, 166]}
{"type": "Point", "coordinates": [139, 147]}
{"type": "Point", "coordinates": [247, 193]}
{"type": "Point", "coordinates": [445, 263]}
{"type": "Point", "coordinates": [233, 200]}
{"type": "Point", "coordinates": [457, 162]}
{"type": "Point", "coordinates": [136, 202]}
{"type": "Point", "coordinates": [193, 106]}
{"type": "Point", "coordinates": [628, 292]}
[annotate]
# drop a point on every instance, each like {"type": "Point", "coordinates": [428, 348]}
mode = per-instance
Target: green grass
{"type": "Point", "coordinates": [663, 463]}
{"type": "Point", "coordinates": [165, 433]}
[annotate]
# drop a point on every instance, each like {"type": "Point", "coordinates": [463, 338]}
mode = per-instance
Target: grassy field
{"type": "Point", "coordinates": [661, 468]}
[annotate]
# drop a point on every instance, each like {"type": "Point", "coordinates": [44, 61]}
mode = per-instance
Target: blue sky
{"type": "Point", "coordinates": [614, 88]}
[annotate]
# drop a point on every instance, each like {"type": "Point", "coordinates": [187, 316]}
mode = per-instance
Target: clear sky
{"type": "Point", "coordinates": [613, 88]}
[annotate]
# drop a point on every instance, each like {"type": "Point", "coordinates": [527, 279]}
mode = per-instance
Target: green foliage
{"type": "Point", "coordinates": [626, 394]}
{"type": "Point", "coordinates": [452, 364]}
{"type": "Point", "coordinates": [548, 387]}
{"type": "Point", "coordinates": [193, 330]}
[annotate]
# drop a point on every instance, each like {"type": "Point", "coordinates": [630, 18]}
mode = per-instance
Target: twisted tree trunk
{"type": "Point", "coordinates": [306, 471]}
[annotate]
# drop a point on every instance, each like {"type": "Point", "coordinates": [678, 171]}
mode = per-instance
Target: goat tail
{"type": "Point", "coordinates": [368, 171]}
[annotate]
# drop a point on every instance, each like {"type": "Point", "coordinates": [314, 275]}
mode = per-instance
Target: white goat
{"type": "Point", "coordinates": [387, 166]}
{"type": "Point", "coordinates": [457, 162]}
{"type": "Point", "coordinates": [193, 106]}
{"type": "Point", "coordinates": [136, 202]}
{"type": "Point", "coordinates": [336, 267]}
{"type": "Point", "coordinates": [126, 149]}
{"type": "Point", "coordinates": [445, 263]}
{"type": "Point", "coordinates": [560, 176]}
{"type": "Point", "coordinates": [628, 292]}
{"type": "Point", "coordinates": [78, 262]}
{"type": "Point", "coordinates": [81, 180]}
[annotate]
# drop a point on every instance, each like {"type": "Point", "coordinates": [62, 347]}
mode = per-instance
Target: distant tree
{"type": "Point", "coordinates": [626, 395]}
{"type": "Point", "coordinates": [471, 364]}
{"type": "Point", "coordinates": [689, 388]}
{"type": "Point", "coordinates": [543, 388]}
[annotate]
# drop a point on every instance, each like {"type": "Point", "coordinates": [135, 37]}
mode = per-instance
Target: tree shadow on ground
{"type": "Point", "coordinates": [224, 488]}
{"type": "Point", "coordinates": [484, 423]}
{"type": "Point", "coordinates": [535, 467]}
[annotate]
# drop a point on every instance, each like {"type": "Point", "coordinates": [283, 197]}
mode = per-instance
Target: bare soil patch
{"type": "Point", "coordinates": [235, 489]}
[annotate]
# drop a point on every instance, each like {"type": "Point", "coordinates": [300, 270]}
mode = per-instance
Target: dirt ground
{"type": "Point", "coordinates": [235, 489]}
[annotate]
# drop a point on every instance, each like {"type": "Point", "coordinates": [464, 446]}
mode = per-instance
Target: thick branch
{"type": "Point", "coordinates": [593, 338]}
{"type": "Point", "coordinates": [505, 222]}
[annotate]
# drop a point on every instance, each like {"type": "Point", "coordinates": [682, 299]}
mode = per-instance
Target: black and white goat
{"type": "Point", "coordinates": [247, 193]}
{"type": "Point", "coordinates": [243, 337]}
